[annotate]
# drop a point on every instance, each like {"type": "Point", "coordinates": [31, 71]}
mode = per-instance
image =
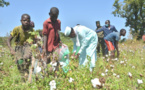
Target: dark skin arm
{"type": "Point", "coordinates": [116, 45]}
{"type": "Point", "coordinates": [45, 44]}
{"type": "Point", "coordinates": [9, 45]}
{"type": "Point", "coordinates": [99, 30]}
{"type": "Point", "coordinates": [77, 56]}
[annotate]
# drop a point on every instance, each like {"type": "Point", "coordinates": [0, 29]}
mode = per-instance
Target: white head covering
{"type": "Point", "coordinates": [67, 31]}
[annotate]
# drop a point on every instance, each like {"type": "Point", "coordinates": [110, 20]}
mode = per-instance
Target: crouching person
{"type": "Point", "coordinates": [22, 50]}
{"type": "Point", "coordinates": [113, 37]}
{"type": "Point", "coordinates": [87, 40]}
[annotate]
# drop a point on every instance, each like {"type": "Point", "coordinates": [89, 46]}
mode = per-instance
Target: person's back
{"type": "Point", "coordinates": [83, 30]}
{"type": "Point", "coordinates": [87, 40]}
{"type": "Point", "coordinates": [114, 36]}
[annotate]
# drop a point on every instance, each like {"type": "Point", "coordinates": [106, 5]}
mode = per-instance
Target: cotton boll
{"type": "Point", "coordinates": [129, 74]}
{"type": "Point", "coordinates": [65, 57]}
{"type": "Point", "coordinates": [118, 76]}
{"type": "Point", "coordinates": [53, 64]}
{"type": "Point", "coordinates": [106, 55]}
{"type": "Point", "coordinates": [121, 62]}
{"type": "Point", "coordinates": [35, 45]}
{"type": "Point", "coordinates": [103, 57]}
{"type": "Point", "coordinates": [112, 66]}
{"type": "Point", "coordinates": [71, 79]}
{"type": "Point", "coordinates": [52, 85]}
{"type": "Point", "coordinates": [115, 59]}
{"type": "Point", "coordinates": [72, 57]}
{"type": "Point", "coordinates": [125, 60]}
{"type": "Point", "coordinates": [107, 60]}
{"type": "Point", "coordinates": [61, 63]}
{"type": "Point", "coordinates": [96, 82]}
{"type": "Point", "coordinates": [114, 74]}
{"type": "Point", "coordinates": [38, 69]}
{"type": "Point", "coordinates": [133, 67]}
{"type": "Point", "coordinates": [139, 81]}
{"type": "Point", "coordinates": [102, 74]}
{"type": "Point", "coordinates": [39, 37]}
{"type": "Point", "coordinates": [106, 70]}
{"type": "Point", "coordinates": [1, 63]}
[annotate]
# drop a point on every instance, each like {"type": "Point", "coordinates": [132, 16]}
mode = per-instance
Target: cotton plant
{"type": "Point", "coordinates": [52, 85]}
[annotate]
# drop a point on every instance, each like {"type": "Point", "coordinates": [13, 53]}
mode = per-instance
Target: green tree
{"type": "Point", "coordinates": [4, 3]}
{"type": "Point", "coordinates": [134, 13]}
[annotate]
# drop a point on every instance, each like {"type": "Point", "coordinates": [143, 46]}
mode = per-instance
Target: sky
{"type": "Point", "coordinates": [71, 12]}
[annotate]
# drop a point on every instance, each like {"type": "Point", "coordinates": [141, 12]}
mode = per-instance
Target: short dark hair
{"type": "Point", "coordinates": [122, 30]}
{"type": "Point", "coordinates": [54, 10]}
{"type": "Point", "coordinates": [108, 21]}
{"type": "Point", "coordinates": [25, 15]}
{"type": "Point", "coordinates": [97, 22]}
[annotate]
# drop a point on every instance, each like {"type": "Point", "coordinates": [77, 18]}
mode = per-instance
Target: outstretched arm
{"type": "Point", "coordinates": [99, 30]}
{"type": "Point", "coordinates": [115, 29]}
{"type": "Point", "coordinates": [45, 33]}
{"type": "Point", "coordinates": [45, 44]}
{"type": "Point", "coordinates": [9, 45]}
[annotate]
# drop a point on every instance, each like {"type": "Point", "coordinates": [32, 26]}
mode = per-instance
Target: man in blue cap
{"type": "Point", "coordinates": [87, 40]}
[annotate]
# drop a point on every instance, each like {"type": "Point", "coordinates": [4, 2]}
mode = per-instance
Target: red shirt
{"type": "Point", "coordinates": [51, 30]}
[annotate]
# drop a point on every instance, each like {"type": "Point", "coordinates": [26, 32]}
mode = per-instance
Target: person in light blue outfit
{"type": "Point", "coordinates": [87, 40]}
